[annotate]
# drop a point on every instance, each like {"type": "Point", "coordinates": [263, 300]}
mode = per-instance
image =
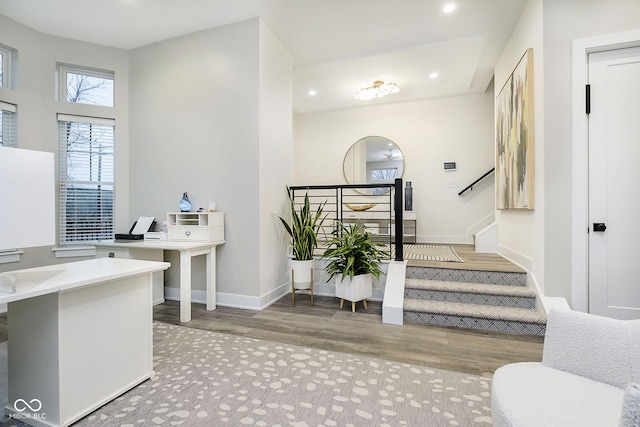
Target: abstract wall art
{"type": "Point", "coordinates": [515, 138]}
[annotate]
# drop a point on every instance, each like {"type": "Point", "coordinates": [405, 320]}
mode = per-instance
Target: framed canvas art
{"type": "Point", "coordinates": [515, 138]}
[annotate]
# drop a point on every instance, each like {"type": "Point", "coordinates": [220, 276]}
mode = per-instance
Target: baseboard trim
{"type": "Point", "coordinates": [259, 303]}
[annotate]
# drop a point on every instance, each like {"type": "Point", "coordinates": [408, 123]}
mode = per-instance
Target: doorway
{"type": "Point", "coordinates": [614, 178]}
{"type": "Point", "coordinates": [582, 224]}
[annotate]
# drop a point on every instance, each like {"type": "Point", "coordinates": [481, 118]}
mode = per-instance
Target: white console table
{"type": "Point", "coordinates": [188, 250]}
{"type": "Point", "coordinates": [80, 334]}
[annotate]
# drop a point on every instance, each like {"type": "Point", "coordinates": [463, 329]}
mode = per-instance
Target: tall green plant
{"type": "Point", "coordinates": [352, 251]}
{"type": "Point", "coordinates": [304, 227]}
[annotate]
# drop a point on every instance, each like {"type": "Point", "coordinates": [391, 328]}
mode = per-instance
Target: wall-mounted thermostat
{"type": "Point", "coordinates": [449, 166]}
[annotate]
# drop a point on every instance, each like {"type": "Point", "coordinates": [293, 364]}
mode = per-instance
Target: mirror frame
{"type": "Point", "coordinates": [367, 149]}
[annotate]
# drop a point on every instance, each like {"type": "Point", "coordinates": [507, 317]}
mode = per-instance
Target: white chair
{"type": "Point", "coordinates": [590, 366]}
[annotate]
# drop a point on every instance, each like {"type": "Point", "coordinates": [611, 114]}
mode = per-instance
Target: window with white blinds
{"type": "Point", "coordinates": [87, 181]}
{"type": "Point", "coordinates": [7, 125]}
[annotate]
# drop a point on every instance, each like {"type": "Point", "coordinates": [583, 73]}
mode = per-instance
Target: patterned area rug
{"type": "Point", "coordinates": [208, 379]}
{"type": "Point", "coordinates": [424, 252]}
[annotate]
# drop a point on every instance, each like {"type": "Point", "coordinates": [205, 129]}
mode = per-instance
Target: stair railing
{"type": "Point", "coordinates": [470, 186]}
{"type": "Point", "coordinates": [388, 200]}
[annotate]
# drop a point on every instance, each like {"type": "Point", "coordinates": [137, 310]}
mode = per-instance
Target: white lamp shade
{"type": "Point", "coordinates": [27, 198]}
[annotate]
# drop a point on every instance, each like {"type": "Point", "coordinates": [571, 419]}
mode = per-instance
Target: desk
{"type": "Point", "coordinates": [187, 250]}
{"type": "Point", "coordinates": [80, 335]}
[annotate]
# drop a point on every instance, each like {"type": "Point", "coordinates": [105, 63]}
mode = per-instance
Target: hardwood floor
{"type": "Point", "coordinates": [473, 261]}
{"type": "Point", "coordinates": [326, 326]}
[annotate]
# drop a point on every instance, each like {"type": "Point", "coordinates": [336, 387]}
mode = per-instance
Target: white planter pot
{"type": "Point", "coordinates": [301, 273]}
{"type": "Point", "coordinates": [356, 289]}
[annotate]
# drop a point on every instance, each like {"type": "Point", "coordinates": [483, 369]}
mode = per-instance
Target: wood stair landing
{"type": "Point", "coordinates": [476, 297]}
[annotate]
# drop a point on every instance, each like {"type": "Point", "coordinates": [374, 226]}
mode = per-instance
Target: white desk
{"type": "Point", "coordinates": [80, 334]}
{"type": "Point", "coordinates": [187, 250]}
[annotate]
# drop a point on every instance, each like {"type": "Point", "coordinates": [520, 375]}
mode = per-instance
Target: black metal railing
{"type": "Point", "coordinates": [470, 186]}
{"type": "Point", "coordinates": [382, 204]}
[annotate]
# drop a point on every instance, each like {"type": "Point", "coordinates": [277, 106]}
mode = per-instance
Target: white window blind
{"type": "Point", "coordinates": [87, 181]}
{"type": "Point", "coordinates": [7, 125]}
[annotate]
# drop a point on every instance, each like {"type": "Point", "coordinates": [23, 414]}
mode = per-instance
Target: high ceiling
{"type": "Point", "coordinates": [338, 46]}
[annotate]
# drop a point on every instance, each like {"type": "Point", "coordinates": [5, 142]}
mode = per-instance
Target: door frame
{"type": "Point", "coordinates": [580, 49]}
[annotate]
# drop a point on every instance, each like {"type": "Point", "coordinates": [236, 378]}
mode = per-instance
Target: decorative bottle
{"type": "Point", "coordinates": [185, 203]}
{"type": "Point", "coordinates": [408, 197]}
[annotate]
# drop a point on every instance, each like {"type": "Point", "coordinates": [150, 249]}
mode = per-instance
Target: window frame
{"type": "Point", "coordinates": [64, 70]}
{"type": "Point", "coordinates": [385, 180]}
{"type": "Point", "coordinates": [5, 67]}
{"type": "Point", "coordinates": [63, 182]}
{"type": "Point", "coordinates": [13, 125]}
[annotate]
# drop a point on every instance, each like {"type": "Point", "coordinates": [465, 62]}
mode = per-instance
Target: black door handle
{"type": "Point", "coordinates": [599, 226]}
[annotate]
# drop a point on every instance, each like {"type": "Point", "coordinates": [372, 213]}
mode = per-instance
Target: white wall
{"type": "Point", "coordinates": [35, 97]}
{"type": "Point", "coordinates": [194, 128]}
{"type": "Point", "coordinates": [521, 233]}
{"type": "Point", "coordinates": [587, 19]}
{"type": "Point", "coordinates": [541, 240]}
{"type": "Point", "coordinates": [275, 161]}
{"type": "Point", "coordinates": [208, 112]}
{"type": "Point", "coordinates": [429, 133]}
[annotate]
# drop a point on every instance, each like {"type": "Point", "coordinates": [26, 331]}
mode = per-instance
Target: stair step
{"type": "Point", "coordinates": [509, 278]}
{"type": "Point", "coordinates": [475, 288]}
{"type": "Point", "coordinates": [471, 293]}
{"type": "Point", "coordinates": [473, 316]}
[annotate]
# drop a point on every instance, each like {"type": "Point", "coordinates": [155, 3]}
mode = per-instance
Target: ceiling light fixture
{"type": "Point", "coordinates": [449, 7]}
{"type": "Point", "coordinates": [378, 90]}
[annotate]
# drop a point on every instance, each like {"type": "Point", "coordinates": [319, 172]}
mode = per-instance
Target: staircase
{"type": "Point", "coordinates": [472, 299]}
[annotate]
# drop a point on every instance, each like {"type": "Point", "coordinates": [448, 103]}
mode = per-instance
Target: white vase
{"type": "Point", "coordinates": [301, 273]}
{"type": "Point", "coordinates": [356, 289]}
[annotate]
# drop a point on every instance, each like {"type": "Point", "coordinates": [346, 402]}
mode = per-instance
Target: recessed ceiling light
{"type": "Point", "coordinates": [433, 75]}
{"type": "Point", "coordinates": [449, 7]}
{"type": "Point", "coordinates": [312, 92]}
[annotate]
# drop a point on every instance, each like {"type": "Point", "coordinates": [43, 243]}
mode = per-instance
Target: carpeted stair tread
{"type": "Point", "coordinates": [474, 310]}
{"type": "Point", "coordinates": [471, 288]}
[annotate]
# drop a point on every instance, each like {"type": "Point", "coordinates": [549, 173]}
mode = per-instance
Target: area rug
{"type": "Point", "coordinates": [205, 378]}
{"type": "Point", "coordinates": [422, 252]}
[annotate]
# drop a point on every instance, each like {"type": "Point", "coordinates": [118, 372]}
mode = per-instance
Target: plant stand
{"type": "Point", "coordinates": [353, 304]}
{"type": "Point", "coordinates": [357, 289]}
{"type": "Point", "coordinates": [304, 271]}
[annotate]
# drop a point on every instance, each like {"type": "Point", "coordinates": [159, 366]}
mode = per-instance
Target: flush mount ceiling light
{"type": "Point", "coordinates": [378, 90]}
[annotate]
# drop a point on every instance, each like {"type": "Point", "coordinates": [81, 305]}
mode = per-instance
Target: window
{"type": "Point", "coordinates": [4, 67]}
{"type": "Point", "coordinates": [385, 175]}
{"type": "Point", "coordinates": [380, 176]}
{"type": "Point", "coordinates": [8, 67]}
{"type": "Point", "coordinates": [7, 125]}
{"type": "Point", "coordinates": [87, 86]}
{"type": "Point", "coordinates": [87, 182]}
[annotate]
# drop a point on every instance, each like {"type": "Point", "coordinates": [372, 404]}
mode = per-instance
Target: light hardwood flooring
{"type": "Point", "coordinates": [473, 261]}
{"type": "Point", "coordinates": [328, 327]}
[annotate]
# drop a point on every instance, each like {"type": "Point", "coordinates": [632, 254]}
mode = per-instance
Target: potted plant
{"type": "Point", "coordinates": [303, 231]}
{"type": "Point", "coordinates": [354, 259]}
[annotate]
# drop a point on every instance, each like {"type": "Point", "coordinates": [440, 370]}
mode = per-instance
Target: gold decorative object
{"type": "Point", "coordinates": [360, 208]}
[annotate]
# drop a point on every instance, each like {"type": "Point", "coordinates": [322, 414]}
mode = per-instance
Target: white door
{"type": "Point", "coordinates": [614, 183]}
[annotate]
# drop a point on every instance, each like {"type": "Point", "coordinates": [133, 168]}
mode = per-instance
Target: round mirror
{"type": "Point", "coordinates": [373, 160]}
